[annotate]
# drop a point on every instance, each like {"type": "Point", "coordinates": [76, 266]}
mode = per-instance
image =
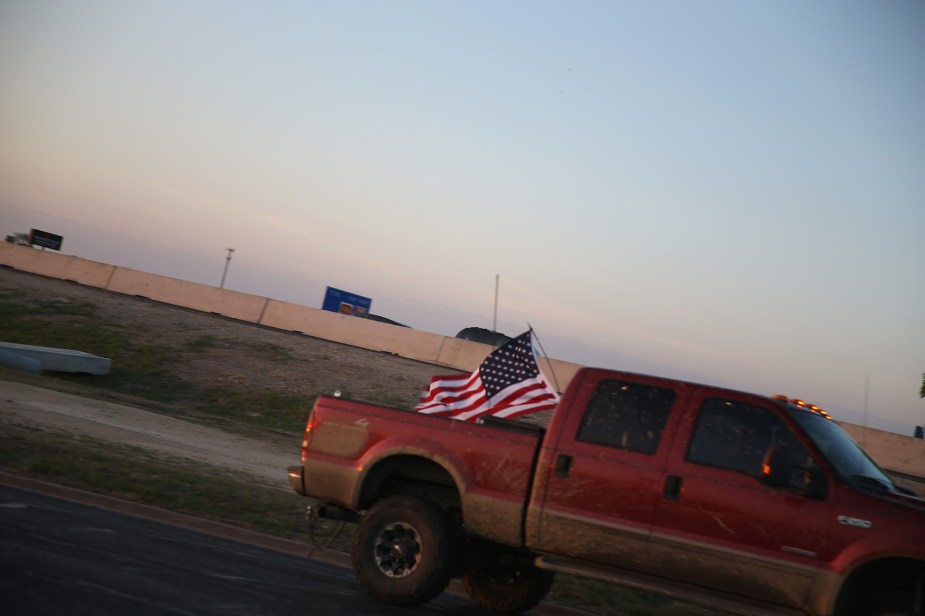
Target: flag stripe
{"type": "Point", "coordinates": [522, 399]}
{"type": "Point", "coordinates": [443, 399]}
{"type": "Point", "coordinates": [441, 384]}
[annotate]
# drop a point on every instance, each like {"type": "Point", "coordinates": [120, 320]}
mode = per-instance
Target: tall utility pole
{"type": "Point", "coordinates": [227, 263]}
{"type": "Point", "coordinates": [494, 324]}
{"type": "Point", "coordinates": [866, 399]}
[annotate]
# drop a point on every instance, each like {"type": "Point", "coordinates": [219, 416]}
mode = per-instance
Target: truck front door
{"type": "Point", "coordinates": [722, 526]}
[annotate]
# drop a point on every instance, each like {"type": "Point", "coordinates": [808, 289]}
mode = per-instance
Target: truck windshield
{"type": "Point", "coordinates": [846, 456]}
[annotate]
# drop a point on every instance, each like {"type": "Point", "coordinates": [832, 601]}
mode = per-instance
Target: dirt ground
{"type": "Point", "coordinates": [240, 357]}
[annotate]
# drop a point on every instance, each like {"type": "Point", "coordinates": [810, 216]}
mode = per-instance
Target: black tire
{"type": "Point", "coordinates": [509, 584]}
{"type": "Point", "coordinates": [404, 551]}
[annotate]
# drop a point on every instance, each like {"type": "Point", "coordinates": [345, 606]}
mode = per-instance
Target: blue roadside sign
{"type": "Point", "coordinates": [344, 302]}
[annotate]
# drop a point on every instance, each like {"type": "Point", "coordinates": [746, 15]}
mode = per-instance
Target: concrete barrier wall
{"type": "Point", "coordinates": [446, 351]}
{"type": "Point", "coordinates": [188, 294]}
{"type": "Point", "coordinates": [892, 451]}
{"type": "Point", "coordinates": [351, 330]}
{"type": "Point", "coordinates": [53, 265]}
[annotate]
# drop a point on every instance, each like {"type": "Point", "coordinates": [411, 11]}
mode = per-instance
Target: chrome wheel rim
{"type": "Point", "coordinates": [397, 550]}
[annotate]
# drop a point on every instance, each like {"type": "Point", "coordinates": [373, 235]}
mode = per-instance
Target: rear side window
{"type": "Point", "coordinates": [626, 416]}
{"type": "Point", "coordinates": [734, 436]}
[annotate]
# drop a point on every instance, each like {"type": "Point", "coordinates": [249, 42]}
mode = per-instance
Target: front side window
{"type": "Point", "coordinates": [738, 436]}
{"type": "Point", "coordinates": [626, 416]}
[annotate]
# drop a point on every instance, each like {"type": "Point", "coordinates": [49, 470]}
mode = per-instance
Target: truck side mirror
{"type": "Point", "coordinates": [786, 468]}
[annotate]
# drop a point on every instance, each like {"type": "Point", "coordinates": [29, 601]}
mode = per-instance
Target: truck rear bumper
{"type": "Point", "coordinates": [296, 479]}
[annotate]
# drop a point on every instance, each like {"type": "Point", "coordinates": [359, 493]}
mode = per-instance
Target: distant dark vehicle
{"type": "Point", "coordinates": [376, 317]}
{"type": "Point", "coordinates": [485, 336]}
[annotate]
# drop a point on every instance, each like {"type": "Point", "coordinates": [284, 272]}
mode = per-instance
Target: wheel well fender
{"type": "Point", "coordinates": [886, 579]}
{"type": "Point", "coordinates": [411, 472]}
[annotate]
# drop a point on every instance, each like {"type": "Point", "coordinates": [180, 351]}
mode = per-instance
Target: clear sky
{"type": "Point", "coordinates": [729, 192]}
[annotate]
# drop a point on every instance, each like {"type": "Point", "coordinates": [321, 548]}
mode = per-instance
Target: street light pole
{"type": "Point", "coordinates": [227, 263]}
{"type": "Point", "coordinates": [494, 323]}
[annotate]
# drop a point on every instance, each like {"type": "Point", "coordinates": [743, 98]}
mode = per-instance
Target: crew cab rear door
{"type": "Point", "coordinates": [721, 526]}
{"type": "Point", "coordinates": [600, 482]}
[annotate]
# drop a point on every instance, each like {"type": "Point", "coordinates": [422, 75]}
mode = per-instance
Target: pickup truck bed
{"type": "Point", "coordinates": [479, 472]}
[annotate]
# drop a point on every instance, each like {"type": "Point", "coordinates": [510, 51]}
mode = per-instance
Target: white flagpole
{"type": "Point", "coordinates": [548, 363]}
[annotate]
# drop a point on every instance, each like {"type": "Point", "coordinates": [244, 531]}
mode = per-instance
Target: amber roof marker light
{"type": "Point", "coordinates": [812, 408]}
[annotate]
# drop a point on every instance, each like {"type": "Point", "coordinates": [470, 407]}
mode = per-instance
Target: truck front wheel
{"type": "Point", "coordinates": [509, 584]}
{"type": "Point", "coordinates": [404, 551]}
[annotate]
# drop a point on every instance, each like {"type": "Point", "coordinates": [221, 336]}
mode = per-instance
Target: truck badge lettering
{"type": "Point", "coordinates": [855, 522]}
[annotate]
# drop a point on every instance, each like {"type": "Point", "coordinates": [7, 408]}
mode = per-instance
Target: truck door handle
{"type": "Point", "coordinates": [563, 465]}
{"type": "Point", "coordinates": [673, 485]}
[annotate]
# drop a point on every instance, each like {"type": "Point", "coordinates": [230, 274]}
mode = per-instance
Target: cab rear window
{"type": "Point", "coordinates": [626, 416]}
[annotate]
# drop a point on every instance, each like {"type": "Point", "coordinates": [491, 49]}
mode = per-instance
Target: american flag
{"type": "Point", "coordinates": [507, 384]}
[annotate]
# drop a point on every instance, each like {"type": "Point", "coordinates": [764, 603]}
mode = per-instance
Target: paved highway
{"type": "Point", "coordinates": [63, 557]}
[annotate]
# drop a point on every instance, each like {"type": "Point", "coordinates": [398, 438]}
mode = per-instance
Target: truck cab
{"type": "Point", "coordinates": [722, 493]}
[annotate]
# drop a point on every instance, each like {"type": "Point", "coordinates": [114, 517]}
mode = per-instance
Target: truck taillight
{"type": "Point", "coordinates": [306, 438]}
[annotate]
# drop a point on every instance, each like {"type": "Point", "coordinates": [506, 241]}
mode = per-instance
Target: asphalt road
{"type": "Point", "coordinates": [64, 557]}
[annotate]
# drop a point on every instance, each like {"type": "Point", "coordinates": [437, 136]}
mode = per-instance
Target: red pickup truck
{"type": "Point", "coordinates": [747, 503]}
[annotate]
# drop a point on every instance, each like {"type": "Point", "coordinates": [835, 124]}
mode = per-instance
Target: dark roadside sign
{"type": "Point", "coordinates": [45, 239]}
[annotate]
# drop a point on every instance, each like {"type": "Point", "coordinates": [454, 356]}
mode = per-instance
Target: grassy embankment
{"type": "Point", "coordinates": [142, 375]}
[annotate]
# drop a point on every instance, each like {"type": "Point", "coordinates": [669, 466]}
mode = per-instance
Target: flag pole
{"type": "Point", "coordinates": [548, 363]}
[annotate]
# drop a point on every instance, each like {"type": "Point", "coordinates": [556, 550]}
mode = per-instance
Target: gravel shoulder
{"type": "Point", "coordinates": [107, 421]}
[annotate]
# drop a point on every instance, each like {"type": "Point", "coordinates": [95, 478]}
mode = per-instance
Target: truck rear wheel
{"type": "Point", "coordinates": [508, 584]}
{"type": "Point", "coordinates": [404, 551]}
